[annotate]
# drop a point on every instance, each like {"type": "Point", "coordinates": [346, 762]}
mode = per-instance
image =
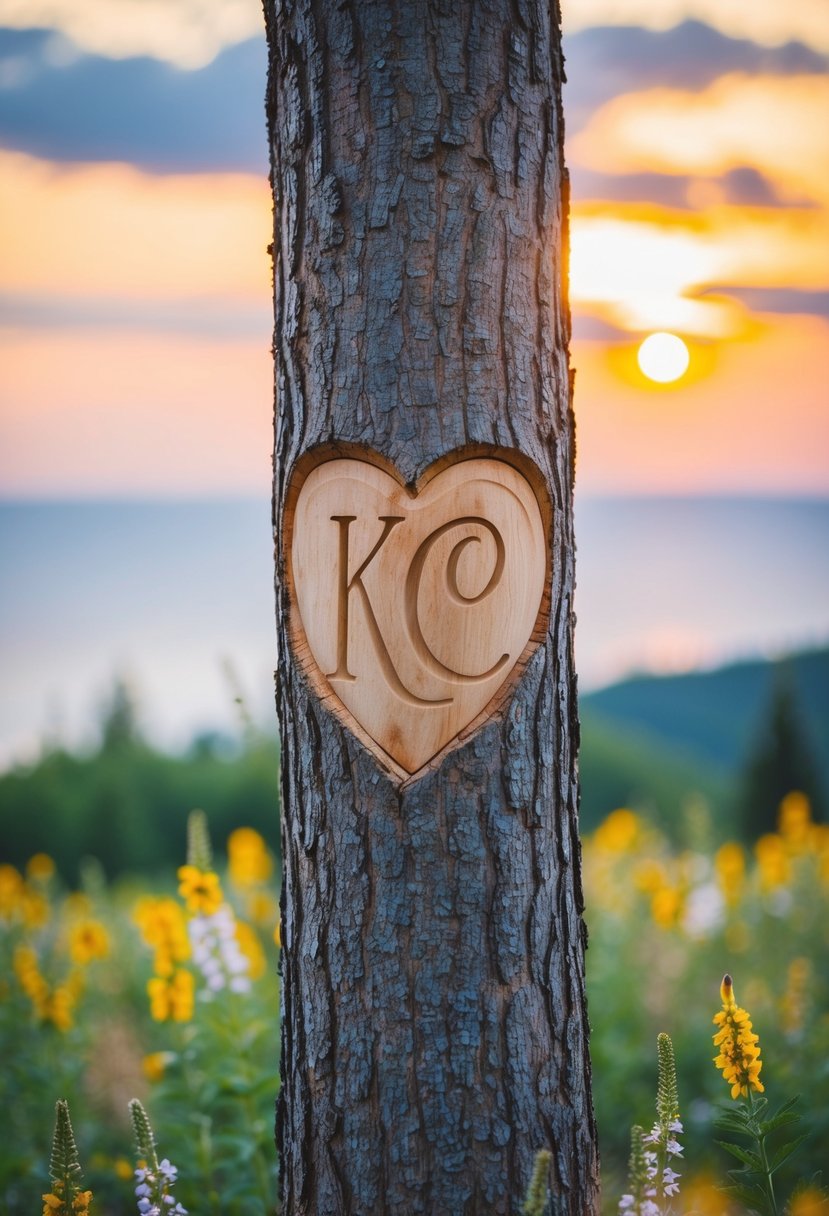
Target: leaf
{"type": "Point", "coordinates": [784, 1152]}
{"type": "Point", "coordinates": [732, 1123]}
{"type": "Point", "coordinates": [781, 1117]}
{"type": "Point", "coordinates": [749, 1159]}
{"type": "Point", "coordinates": [753, 1197]}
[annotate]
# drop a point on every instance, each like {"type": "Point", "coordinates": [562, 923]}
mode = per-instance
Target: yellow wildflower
{"type": "Point", "coordinates": [88, 940]}
{"type": "Point", "coordinates": [154, 1065]}
{"type": "Point", "coordinates": [40, 868]}
{"type": "Point", "coordinates": [249, 861]}
{"type": "Point", "coordinates": [251, 947]}
{"type": "Point", "coordinates": [200, 889]}
{"type": "Point", "coordinates": [739, 1056]}
{"type": "Point", "coordinates": [35, 908]}
{"type": "Point", "coordinates": [794, 821]}
{"type": "Point", "coordinates": [171, 1000]}
{"type": "Point", "coordinates": [730, 868]}
{"type": "Point", "coordinates": [11, 891]}
{"type": "Point", "coordinates": [24, 963]}
{"type": "Point", "coordinates": [163, 927]}
{"type": "Point", "coordinates": [618, 832]}
{"type": "Point", "coordinates": [61, 1007]}
{"type": "Point", "coordinates": [773, 861]}
{"type": "Point", "coordinates": [123, 1169]}
{"type": "Point", "coordinates": [82, 1201]}
{"type": "Point", "coordinates": [702, 1196]}
{"type": "Point", "coordinates": [51, 1203]}
{"type": "Point", "coordinates": [649, 875]}
{"type": "Point", "coordinates": [666, 907]}
{"type": "Point", "coordinates": [77, 904]}
{"type": "Point", "coordinates": [810, 1202]}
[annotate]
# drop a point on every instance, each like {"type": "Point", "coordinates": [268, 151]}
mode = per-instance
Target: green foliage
{"type": "Point", "coordinates": [664, 924]}
{"type": "Point", "coordinates": [622, 765]}
{"type": "Point", "coordinates": [128, 806]}
{"type": "Point", "coordinates": [753, 1184]}
{"type": "Point", "coordinates": [214, 1105]}
{"type": "Point", "coordinates": [709, 721]}
{"type": "Point", "coordinates": [211, 1080]}
{"type": "Point", "coordinates": [780, 760]}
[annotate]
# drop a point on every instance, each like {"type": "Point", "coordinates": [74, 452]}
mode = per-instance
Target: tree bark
{"type": "Point", "coordinates": [434, 1031]}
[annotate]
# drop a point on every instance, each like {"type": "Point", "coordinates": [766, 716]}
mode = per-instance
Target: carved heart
{"type": "Point", "coordinates": [415, 606]}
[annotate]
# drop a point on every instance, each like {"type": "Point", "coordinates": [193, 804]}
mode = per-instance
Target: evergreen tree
{"type": "Point", "coordinates": [780, 760]}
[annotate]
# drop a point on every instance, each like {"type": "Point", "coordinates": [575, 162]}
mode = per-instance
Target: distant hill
{"type": "Point", "coordinates": [656, 740]}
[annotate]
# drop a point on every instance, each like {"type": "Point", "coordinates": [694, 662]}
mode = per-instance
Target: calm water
{"type": "Point", "coordinates": [171, 595]}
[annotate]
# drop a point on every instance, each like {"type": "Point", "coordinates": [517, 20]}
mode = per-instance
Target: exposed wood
{"type": "Point", "coordinates": [413, 608]}
{"type": "Point", "coordinates": [434, 1025]}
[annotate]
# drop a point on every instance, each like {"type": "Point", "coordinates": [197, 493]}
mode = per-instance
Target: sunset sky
{"type": "Point", "coordinates": [134, 286]}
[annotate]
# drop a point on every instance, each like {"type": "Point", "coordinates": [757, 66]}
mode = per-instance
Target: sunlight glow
{"type": "Point", "coordinates": [644, 267]}
{"type": "Point", "coordinates": [639, 274]}
{"type": "Point", "coordinates": [663, 357]}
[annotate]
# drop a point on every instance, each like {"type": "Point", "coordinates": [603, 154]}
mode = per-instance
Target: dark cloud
{"type": "Point", "coordinates": [604, 61]}
{"type": "Point", "coordinates": [660, 188]}
{"type": "Point", "coordinates": [75, 107]}
{"type": "Point", "coordinates": [214, 319]}
{"type": "Point", "coordinates": [778, 299]}
{"type": "Point", "coordinates": [743, 186]}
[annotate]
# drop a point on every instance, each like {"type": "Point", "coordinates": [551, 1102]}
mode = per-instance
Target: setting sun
{"type": "Point", "coordinates": [663, 357]}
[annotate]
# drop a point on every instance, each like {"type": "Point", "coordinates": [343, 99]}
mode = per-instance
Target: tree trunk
{"type": "Point", "coordinates": [434, 1031]}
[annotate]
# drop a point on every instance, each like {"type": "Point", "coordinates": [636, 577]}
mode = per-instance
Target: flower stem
{"type": "Point", "coordinates": [761, 1146]}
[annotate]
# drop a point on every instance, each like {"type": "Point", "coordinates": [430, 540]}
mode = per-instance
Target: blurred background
{"type": "Point", "coordinates": [136, 629]}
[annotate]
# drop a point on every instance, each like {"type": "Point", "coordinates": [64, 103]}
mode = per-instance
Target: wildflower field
{"type": "Point", "coordinates": [168, 993]}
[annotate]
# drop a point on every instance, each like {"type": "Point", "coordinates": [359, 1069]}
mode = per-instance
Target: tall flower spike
{"type": "Point", "coordinates": [638, 1175]}
{"type": "Point", "coordinates": [143, 1132]}
{"type": "Point", "coordinates": [154, 1179]}
{"type": "Point", "coordinates": [64, 1166]}
{"type": "Point", "coordinates": [199, 852]}
{"type": "Point", "coordinates": [65, 1169]}
{"type": "Point", "coordinates": [667, 1094]}
{"type": "Point", "coordinates": [663, 1144]}
{"type": "Point", "coordinates": [739, 1050]}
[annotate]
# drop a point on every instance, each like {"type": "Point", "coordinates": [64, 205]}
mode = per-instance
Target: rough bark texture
{"type": "Point", "coordinates": [434, 1025]}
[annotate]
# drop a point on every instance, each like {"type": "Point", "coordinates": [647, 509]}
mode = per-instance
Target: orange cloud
{"type": "Point", "coordinates": [776, 125]}
{"type": "Point", "coordinates": [113, 231]}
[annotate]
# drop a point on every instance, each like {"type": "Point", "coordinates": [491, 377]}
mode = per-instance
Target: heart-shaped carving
{"type": "Point", "coordinates": [415, 606]}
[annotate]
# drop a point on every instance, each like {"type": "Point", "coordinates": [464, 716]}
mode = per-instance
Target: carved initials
{"type": "Point", "coordinates": [411, 607]}
{"type": "Point", "coordinates": [344, 591]}
{"type": "Point", "coordinates": [427, 656]}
